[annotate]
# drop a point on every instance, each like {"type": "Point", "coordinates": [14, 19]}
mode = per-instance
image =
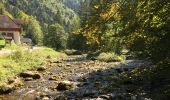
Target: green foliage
{"type": "Point", "coordinates": [33, 31]}
{"type": "Point", "coordinates": [110, 57]}
{"type": "Point", "coordinates": [39, 14]}
{"type": "Point", "coordinates": [72, 52]}
{"type": "Point", "coordinates": [146, 27]}
{"type": "Point", "coordinates": [47, 11]}
{"type": "Point", "coordinates": [106, 56]}
{"type": "Point", "coordinates": [99, 33]}
{"type": "Point", "coordinates": [56, 37]}
{"type": "Point", "coordinates": [3, 10]}
{"type": "Point", "coordinates": [22, 60]}
{"type": "Point", "coordinates": [31, 27]}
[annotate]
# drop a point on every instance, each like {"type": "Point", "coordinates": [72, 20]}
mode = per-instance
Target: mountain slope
{"type": "Point", "coordinates": [46, 11]}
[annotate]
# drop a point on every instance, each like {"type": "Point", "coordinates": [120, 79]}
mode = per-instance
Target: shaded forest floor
{"type": "Point", "coordinates": [75, 77]}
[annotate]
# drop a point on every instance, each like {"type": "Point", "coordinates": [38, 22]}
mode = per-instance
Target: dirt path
{"type": "Point", "coordinates": [84, 78]}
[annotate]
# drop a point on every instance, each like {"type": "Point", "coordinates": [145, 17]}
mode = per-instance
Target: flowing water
{"type": "Point", "coordinates": [76, 70]}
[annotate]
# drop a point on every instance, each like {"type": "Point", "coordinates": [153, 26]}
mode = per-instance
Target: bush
{"type": "Point", "coordinates": [110, 57]}
{"type": "Point", "coordinates": [72, 52]}
{"type": "Point", "coordinates": [93, 54]}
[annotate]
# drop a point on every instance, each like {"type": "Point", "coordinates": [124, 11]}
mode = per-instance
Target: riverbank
{"type": "Point", "coordinates": [20, 60]}
{"type": "Point", "coordinates": [75, 77]}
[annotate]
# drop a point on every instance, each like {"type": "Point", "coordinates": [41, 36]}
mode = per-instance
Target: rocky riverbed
{"type": "Point", "coordinates": [73, 78]}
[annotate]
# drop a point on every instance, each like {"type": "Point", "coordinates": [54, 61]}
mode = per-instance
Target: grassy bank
{"type": "Point", "coordinates": [13, 46]}
{"type": "Point", "coordinates": [106, 56]}
{"type": "Point", "coordinates": [22, 60]}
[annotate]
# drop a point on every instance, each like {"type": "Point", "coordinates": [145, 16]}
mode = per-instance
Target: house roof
{"type": "Point", "coordinates": [18, 21]}
{"type": "Point", "coordinates": [8, 24]}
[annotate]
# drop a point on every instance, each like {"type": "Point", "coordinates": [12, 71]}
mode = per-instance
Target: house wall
{"type": "Point", "coordinates": [16, 36]}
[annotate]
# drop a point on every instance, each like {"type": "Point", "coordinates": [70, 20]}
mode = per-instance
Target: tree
{"type": "Point", "coordinates": [56, 37]}
{"type": "Point", "coordinates": [33, 31]}
{"type": "Point", "coordinates": [146, 27]}
{"type": "Point", "coordinates": [31, 27]}
{"type": "Point", "coordinates": [97, 27]}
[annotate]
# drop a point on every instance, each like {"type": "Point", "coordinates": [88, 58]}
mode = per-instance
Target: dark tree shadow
{"type": "Point", "coordinates": [109, 84]}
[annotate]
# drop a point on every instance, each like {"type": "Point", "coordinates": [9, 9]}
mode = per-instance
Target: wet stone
{"type": "Point", "coordinates": [106, 97]}
{"type": "Point", "coordinates": [28, 79]}
{"type": "Point", "coordinates": [42, 96]}
{"type": "Point", "coordinates": [29, 74]}
{"type": "Point", "coordinates": [57, 61]}
{"type": "Point", "coordinates": [93, 58]}
{"type": "Point", "coordinates": [65, 85]}
{"type": "Point", "coordinates": [53, 78]}
{"type": "Point", "coordinates": [6, 89]}
{"type": "Point", "coordinates": [119, 70]}
{"type": "Point", "coordinates": [10, 81]}
{"type": "Point", "coordinates": [89, 93]}
{"type": "Point", "coordinates": [26, 74]}
{"type": "Point", "coordinates": [68, 64]}
{"type": "Point", "coordinates": [41, 68]}
{"type": "Point", "coordinates": [36, 76]}
{"type": "Point", "coordinates": [61, 98]}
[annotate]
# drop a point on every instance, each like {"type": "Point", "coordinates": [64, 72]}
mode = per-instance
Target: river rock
{"type": "Point", "coordinates": [89, 93]}
{"type": "Point", "coordinates": [53, 78]}
{"type": "Point", "coordinates": [62, 97]}
{"type": "Point", "coordinates": [65, 85]}
{"type": "Point", "coordinates": [6, 89]}
{"type": "Point", "coordinates": [119, 70]}
{"type": "Point", "coordinates": [42, 96]}
{"type": "Point", "coordinates": [27, 74]}
{"type": "Point", "coordinates": [15, 82]}
{"type": "Point", "coordinates": [45, 98]}
{"type": "Point", "coordinates": [28, 79]}
{"type": "Point", "coordinates": [41, 68]}
{"type": "Point", "coordinates": [11, 80]}
{"type": "Point", "coordinates": [93, 58]}
{"type": "Point", "coordinates": [58, 61]}
{"type": "Point", "coordinates": [106, 97]}
{"type": "Point", "coordinates": [68, 64]}
{"type": "Point", "coordinates": [36, 76]}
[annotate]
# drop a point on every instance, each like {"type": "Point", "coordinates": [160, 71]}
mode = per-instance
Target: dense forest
{"type": "Point", "coordinates": [142, 27]}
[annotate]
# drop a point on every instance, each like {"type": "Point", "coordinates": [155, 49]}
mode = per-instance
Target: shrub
{"type": "Point", "coordinates": [110, 57]}
{"type": "Point", "coordinates": [72, 52]}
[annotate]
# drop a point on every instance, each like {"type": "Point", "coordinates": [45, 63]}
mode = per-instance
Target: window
{"type": "Point", "coordinates": [3, 34]}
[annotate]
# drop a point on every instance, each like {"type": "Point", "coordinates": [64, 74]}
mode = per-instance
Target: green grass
{"type": "Point", "coordinates": [72, 52]}
{"type": "Point", "coordinates": [13, 46]}
{"type": "Point", "coordinates": [22, 60]}
{"type": "Point", "coordinates": [110, 57]}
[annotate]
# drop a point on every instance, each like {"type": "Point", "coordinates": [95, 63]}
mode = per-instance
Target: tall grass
{"type": "Point", "coordinates": [110, 57]}
{"type": "Point", "coordinates": [22, 60]}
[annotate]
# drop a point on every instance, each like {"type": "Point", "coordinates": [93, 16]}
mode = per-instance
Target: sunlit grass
{"type": "Point", "coordinates": [22, 60]}
{"type": "Point", "coordinates": [110, 57]}
{"type": "Point", "coordinates": [13, 46]}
